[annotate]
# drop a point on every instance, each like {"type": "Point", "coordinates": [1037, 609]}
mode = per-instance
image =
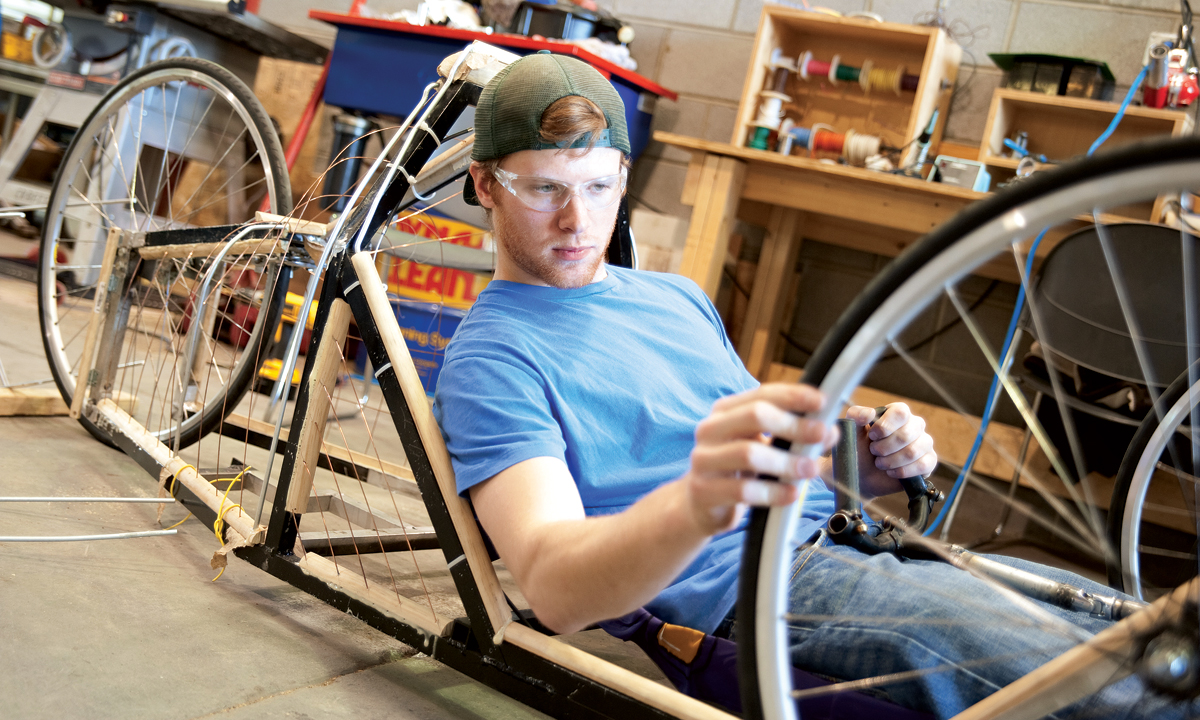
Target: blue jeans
{"type": "Point", "coordinates": [860, 616]}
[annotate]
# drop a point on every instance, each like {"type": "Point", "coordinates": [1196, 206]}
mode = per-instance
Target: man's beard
{"type": "Point", "coordinates": [543, 267]}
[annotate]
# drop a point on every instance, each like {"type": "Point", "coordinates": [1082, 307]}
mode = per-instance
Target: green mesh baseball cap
{"type": "Point", "coordinates": [509, 112]}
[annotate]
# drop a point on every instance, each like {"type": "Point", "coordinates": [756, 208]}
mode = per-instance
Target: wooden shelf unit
{"type": "Point", "coordinates": [1062, 128]}
{"type": "Point", "coordinates": [896, 118]}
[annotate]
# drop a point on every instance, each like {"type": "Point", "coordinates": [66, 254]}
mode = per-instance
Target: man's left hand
{"type": "Point", "coordinates": [895, 447]}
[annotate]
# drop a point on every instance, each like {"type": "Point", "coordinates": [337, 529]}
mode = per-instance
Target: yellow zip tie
{"type": "Point", "coordinates": [220, 521]}
{"type": "Point", "coordinates": [171, 490]}
{"type": "Point", "coordinates": [221, 510]}
{"type": "Point", "coordinates": [214, 482]}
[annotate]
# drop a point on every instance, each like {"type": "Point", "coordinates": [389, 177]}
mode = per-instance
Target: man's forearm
{"type": "Point", "coordinates": [578, 571]}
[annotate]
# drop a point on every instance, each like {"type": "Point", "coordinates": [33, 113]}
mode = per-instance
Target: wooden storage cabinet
{"type": "Point", "coordinates": [896, 118]}
{"type": "Point", "coordinates": [1062, 128]}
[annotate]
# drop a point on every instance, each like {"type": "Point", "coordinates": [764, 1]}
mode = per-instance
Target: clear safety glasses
{"type": "Point", "coordinates": [546, 195]}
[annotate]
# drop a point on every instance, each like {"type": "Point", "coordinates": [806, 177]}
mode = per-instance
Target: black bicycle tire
{"type": "Point", "coordinates": [1133, 156]}
{"type": "Point", "coordinates": [237, 386]}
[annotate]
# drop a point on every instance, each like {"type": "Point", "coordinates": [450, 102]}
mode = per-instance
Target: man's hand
{"type": "Point", "coordinates": [732, 449]}
{"type": "Point", "coordinates": [895, 447]}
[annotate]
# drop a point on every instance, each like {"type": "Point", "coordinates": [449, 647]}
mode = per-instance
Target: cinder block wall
{"type": "Point", "coordinates": [701, 50]}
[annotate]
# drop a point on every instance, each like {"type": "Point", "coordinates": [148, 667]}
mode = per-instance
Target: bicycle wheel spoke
{"type": "Point", "coordinates": [1085, 539]}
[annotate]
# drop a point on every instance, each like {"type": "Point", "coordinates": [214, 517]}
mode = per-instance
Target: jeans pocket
{"type": "Point", "coordinates": [803, 554]}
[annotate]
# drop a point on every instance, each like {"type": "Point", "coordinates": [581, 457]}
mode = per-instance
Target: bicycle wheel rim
{"type": "Point", "coordinates": [892, 299]}
{"type": "Point", "coordinates": [1139, 482]}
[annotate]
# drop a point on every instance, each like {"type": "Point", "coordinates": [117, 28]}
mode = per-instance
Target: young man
{"type": "Point", "coordinates": [609, 437]}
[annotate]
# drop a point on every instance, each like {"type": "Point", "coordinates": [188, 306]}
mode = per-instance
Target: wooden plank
{"type": "Point", "coordinates": [691, 181]}
{"type": "Point", "coordinates": [902, 203]}
{"type": "Point", "coordinates": [940, 65]}
{"type": "Point", "coordinates": [408, 611]}
{"type": "Point", "coordinates": [32, 401]}
{"type": "Point", "coordinates": [366, 460]}
{"type": "Point", "coordinates": [321, 378]}
{"type": "Point", "coordinates": [284, 87]}
{"type": "Point", "coordinates": [636, 686]}
{"type": "Point", "coordinates": [754, 158]}
{"type": "Point", "coordinates": [87, 359]}
{"type": "Point", "coordinates": [767, 299]}
{"type": "Point", "coordinates": [726, 194]}
{"type": "Point", "coordinates": [296, 225]}
{"type": "Point", "coordinates": [257, 246]}
{"type": "Point", "coordinates": [335, 451]}
{"type": "Point", "coordinates": [43, 401]}
{"type": "Point", "coordinates": [951, 148]}
{"type": "Point", "coordinates": [461, 515]}
{"type": "Point", "coordinates": [701, 206]}
{"type": "Point", "coordinates": [712, 220]}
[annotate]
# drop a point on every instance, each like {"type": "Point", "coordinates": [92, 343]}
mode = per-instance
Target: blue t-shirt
{"type": "Point", "coordinates": [612, 379]}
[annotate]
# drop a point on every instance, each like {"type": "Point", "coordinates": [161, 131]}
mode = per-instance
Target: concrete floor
{"type": "Point", "coordinates": [136, 628]}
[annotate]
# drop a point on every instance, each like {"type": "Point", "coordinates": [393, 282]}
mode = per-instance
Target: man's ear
{"type": "Point", "coordinates": [483, 185]}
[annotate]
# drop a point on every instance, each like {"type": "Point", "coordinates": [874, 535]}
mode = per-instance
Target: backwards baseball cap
{"type": "Point", "coordinates": [508, 116]}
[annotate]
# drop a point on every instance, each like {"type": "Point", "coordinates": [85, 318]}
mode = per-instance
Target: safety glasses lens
{"type": "Point", "coordinates": [548, 195]}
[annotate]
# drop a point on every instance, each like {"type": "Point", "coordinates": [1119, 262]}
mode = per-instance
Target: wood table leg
{"type": "Point", "coordinates": [715, 209]}
{"type": "Point", "coordinates": [768, 298]}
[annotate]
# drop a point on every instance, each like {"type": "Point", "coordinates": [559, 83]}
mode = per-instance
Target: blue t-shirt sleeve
{"type": "Point", "coordinates": [501, 417]}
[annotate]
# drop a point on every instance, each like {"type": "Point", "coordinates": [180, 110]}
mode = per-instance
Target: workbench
{"type": "Point", "coordinates": [794, 198]}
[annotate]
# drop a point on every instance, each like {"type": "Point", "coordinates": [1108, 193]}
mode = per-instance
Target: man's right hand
{"type": "Point", "coordinates": [733, 448]}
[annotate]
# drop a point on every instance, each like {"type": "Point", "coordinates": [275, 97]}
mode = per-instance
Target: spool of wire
{"type": "Point", "coordinates": [833, 68]}
{"type": "Point", "coordinates": [773, 96]}
{"type": "Point", "coordinates": [847, 73]}
{"type": "Point", "coordinates": [801, 136]}
{"type": "Point", "coordinates": [824, 139]}
{"type": "Point", "coordinates": [815, 67]}
{"type": "Point", "coordinates": [883, 79]}
{"type": "Point", "coordinates": [857, 148]}
{"type": "Point", "coordinates": [779, 82]}
{"type": "Point", "coordinates": [868, 76]}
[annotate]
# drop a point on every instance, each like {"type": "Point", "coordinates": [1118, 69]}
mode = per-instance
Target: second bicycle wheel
{"type": "Point", "coordinates": [1152, 521]}
{"type": "Point", "coordinates": [934, 277]}
{"type": "Point", "coordinates": [179, 144]}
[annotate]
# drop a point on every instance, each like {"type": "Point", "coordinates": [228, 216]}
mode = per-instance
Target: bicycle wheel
{"type": "Point", "coordinates": [179, 144]}
{"type": "Point", "coordinates": [1152, 521]}
{"type": "Point", "coordinates": [933, 275]}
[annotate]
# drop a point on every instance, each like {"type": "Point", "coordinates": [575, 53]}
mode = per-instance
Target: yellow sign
{"type": "Point", "coordinates": [429, 283]}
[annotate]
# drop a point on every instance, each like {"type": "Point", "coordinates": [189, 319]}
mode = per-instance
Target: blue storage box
{"type": "Point", "coordinates": [382, 66]}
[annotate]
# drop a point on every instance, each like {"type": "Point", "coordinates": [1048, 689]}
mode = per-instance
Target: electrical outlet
{"type": "Point", "coordinates": [1157, 38]}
